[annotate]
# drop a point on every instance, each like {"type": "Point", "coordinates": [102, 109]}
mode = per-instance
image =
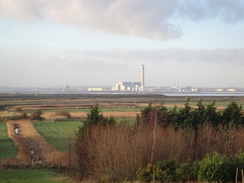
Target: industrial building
{"type": "Point", "coordinates": [131, 86]}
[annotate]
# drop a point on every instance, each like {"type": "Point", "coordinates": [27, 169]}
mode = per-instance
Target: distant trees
{"type": "Point", "coordinates": [95, 117]}
{"type": "Point", "coordinates": [188, 116]}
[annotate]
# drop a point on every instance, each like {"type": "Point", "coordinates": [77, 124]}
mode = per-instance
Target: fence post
{"type": "Point", "coordinates": [242, 176]}
{"type": "Point", "coordinates": [236, 179]}
{"type": "Point", "coordinates": [69, 154]}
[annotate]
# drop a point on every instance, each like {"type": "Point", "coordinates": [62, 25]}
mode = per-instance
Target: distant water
{"type": "Point", "coordinates": [204, 94]}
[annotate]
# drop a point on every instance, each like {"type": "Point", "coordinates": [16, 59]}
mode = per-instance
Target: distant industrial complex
{"type": "Point", "coordinates": [127, 87]}
{"type": "Point", "coordinates": [131, 86]}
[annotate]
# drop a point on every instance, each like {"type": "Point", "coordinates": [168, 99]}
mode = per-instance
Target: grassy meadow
{"type": "Point", "coordinates": [31, 176]}
{"type": "Point", "coordinates": [7, 148]}
{"type": "Point", "coordinates": [59, 133]}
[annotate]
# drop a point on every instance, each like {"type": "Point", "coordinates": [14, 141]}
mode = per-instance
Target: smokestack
{"type": "Point", "coordinates": [142, 77]}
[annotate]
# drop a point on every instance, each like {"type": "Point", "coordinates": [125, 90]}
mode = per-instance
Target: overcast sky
{"type": "Point", "coordinates": [50, 43]}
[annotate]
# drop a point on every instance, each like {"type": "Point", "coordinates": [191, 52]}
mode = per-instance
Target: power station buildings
{"type": "Point", "coordinates": [131, 86]}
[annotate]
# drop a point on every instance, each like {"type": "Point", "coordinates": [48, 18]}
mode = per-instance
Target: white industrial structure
{"type": "Point", "coordinates": [131, 86]}
{"type": "Point", "coordinates": [142, 78]}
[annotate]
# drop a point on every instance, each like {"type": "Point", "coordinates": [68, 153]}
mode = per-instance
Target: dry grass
{"type": "Point", "coordinates": [7, 113]}
{"type": "Point", "coordinates": [82, 115]}
{"type": "Point", "coordinates": [117, 152]}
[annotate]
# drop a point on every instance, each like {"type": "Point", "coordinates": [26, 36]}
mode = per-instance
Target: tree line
{"type": "Point", "coordinates": [188, 116]}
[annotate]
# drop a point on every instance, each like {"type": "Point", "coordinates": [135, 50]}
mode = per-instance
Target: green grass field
{"type": "Point", "coordinates": [58, 133]}
{"type": "Point", "coordinates": [7, 148]}
{"type": "Point", "coordinates": [30, 176]}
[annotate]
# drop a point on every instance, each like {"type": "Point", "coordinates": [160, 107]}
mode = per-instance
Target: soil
{"type": "Point", "coordinates": [33, 148]}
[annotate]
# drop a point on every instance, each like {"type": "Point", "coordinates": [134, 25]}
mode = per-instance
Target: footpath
{"type": "Point", "coordinates": [33, 148]}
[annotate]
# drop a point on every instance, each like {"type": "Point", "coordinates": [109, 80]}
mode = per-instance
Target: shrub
{"type": "Point", "coordinates": [23, 115]}
{"type": "Point", "coordinates": [214, 168]}
{"type": "Point", "coordinates": [167, 172]}
{"type": "Point", "coordinates": [163, 171]}
{"type": "Point", "coordinates": [36, 115]}
{"type": "Point", "coordinates": [146, 174]}
{"type": "Point", "coordinates": [186, 172]}
{"type": "Point", "coordinates": [63, 113]}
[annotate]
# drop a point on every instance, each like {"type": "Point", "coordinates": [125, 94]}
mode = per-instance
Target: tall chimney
{"type": "Point", "coordinates": [142, 77]}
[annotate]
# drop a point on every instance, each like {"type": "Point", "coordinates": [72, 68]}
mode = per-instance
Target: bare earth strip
{"type": "Point", "coordinates": [33, 148]}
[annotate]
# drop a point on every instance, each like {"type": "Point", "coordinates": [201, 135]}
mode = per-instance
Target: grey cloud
{"type": "Point", "coordinates": [145, 18]}
{"type": "Point", "coordinates": [228, 10]}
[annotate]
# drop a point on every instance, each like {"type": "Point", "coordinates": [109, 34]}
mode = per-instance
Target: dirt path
{"type": "Point", "coordinates": [33, 148]}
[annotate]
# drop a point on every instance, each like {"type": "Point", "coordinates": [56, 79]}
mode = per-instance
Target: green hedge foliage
{"type": "Point", "coordinates": [212, 168]}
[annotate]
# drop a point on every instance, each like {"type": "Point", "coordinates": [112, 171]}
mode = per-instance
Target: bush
{"type": "Point", "coordinates": [167, 172]}
{"type": "Point", "coordinates": [163, 171]}
{"type": "Point", "coordinates": [23, 115]}
{"type": "Point", "coordinates": [63, 113]}
{"type": "Point", "coordinates": [146, 174]}
{"type": "Point", "coordinates": [36, 115]}
{"type": "Point", "coordinates": [214, 168]}
{"type": "Point", "coordinates": [186, 172]}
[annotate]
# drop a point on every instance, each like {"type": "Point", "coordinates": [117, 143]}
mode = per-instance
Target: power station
{"type": "Point", "coordinates": [142, 78]}
{"type": "Point", "coordinates": [131, 86]}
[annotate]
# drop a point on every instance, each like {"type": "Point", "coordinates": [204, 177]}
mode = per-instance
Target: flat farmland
{"type": "Point", "coordinates": [81, 103]}
{"type": "Point", "coordinates": [58, 134]}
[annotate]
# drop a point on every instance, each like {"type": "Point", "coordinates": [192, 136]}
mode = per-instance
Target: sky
{"type": "Point", "coordinates": [51, 43]}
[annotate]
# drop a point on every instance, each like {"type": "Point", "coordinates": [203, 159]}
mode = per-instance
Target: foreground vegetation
{"type": "Point", "coordinates": [186, 143]}
{"type": "Point", "coordinates": [212, 168]}
{"type": "Point", "coordinates": [30, 176]}
{"type": "Point", "coordinates": [161, 141]}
